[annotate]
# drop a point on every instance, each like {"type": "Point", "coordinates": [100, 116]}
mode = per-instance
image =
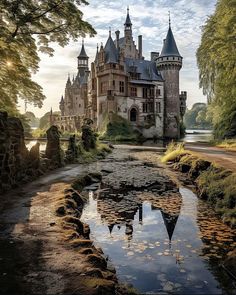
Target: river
{"type": "Point", "coordinates": [160, 244]}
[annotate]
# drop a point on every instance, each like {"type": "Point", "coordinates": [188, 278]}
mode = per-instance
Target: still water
{"type": "Point", "coordinates": [163, 246]}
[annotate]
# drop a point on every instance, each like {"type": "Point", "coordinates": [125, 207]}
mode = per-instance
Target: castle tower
{"type": "Point", "coordinates": [82, 62]}
{"type": "Point", "coordinates": [128, 26]}
{"type": "Point", "coordinates": [169, 64]}
{"type": "Point", "coordinates": [62, 106]}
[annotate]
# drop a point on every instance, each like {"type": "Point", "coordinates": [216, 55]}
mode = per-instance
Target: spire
{"type": "Point", "coordinates": [109, 31]}
{"type": "Point", "coordinates": [169, 46]}
{"type": "Point", "coordinates": [51, 112]}
{"type": "Point", "coordinates": [128, 23]}
{"type": "Point", "coordinates": [68, 83]}
{"type": "Point", "coordinates": [96, 57]}
{"type": "Point", "coordinates": [83, 53]}
{"type": "Point", "coordinates": [169, 20]}
{"type": "Point", "coordinates": [62, 99]}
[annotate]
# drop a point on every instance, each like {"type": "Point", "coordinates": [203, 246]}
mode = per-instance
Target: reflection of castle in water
{"type": "Point", "coordinates": [113, 214]}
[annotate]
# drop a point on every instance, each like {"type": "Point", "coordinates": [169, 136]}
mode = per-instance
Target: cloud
{"type": "Point", "coordinates": [149, 18]}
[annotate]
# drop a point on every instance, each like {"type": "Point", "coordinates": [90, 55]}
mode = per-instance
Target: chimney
{"type": "Point", "coordinates": [154, 56]}
{"type": "Point", "coordinates": [140, 46]}
{"type": "Point", "coordinates": [117, 39]}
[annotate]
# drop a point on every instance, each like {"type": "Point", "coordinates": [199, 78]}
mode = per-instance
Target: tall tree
{"type": "Point", "coordinates": [216, 59]}
{"type": "Point", "coordinates": [27, 27]}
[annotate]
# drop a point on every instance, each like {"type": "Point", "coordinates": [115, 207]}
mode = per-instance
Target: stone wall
{"type": "Point", "coordinates": [17, 164]}
{"type": "Point", "coordinates": [13, 152]}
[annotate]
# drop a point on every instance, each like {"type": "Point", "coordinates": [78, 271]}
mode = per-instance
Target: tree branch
{"type": "Point", "coordinates": [55, 29]}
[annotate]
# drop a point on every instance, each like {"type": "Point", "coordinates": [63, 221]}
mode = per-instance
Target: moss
{"type": "Point", "coordinates": [218, 186]}
{"type": "Point", "coordinates": [86, 251]}
{"type": "Point", "coordinates": [70, 203]}
{"type": "Point", "coordinates": [116, 128]}
{"type": "Point", "coordinates": [77, 243]}
{"type": "Point", "coordinates": [88, 156]}
{"type": "Point", "coordinates": [97, 260]}
{"type": "Point", "coordinates": [103, 286]}
{"type": "Point", "coordinates": [84, 180]}
{"type": "Point", "coordinates": [71, 235]}
{"type": "Point", "coordinates": [71, 222]}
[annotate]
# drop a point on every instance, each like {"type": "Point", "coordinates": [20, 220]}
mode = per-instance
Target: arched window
{"type": "Point", "coordinates": [133, 115]}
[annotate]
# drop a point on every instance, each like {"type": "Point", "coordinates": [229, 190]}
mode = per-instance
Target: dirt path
{"type": "Point", "coordinates": [224, 158]}
{"type": "Point", "coordinates": [33, 257]}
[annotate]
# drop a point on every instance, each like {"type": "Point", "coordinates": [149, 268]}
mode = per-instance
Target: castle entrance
{"type": "Point", "coordinates": [133, 115]}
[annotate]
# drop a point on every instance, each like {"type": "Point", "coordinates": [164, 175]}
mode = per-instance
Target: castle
{"type": "Point", "coordinates": [121, 81]}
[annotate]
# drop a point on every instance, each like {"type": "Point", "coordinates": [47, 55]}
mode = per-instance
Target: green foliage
{"type": "Point", "coordinates": [116, 128]}
{"type": "Point", "coordinates": [27, 26]}
{"type": "Point", "coordinates": [99, 152]}
{"type": "Point", "coordinates": [33, 121]}
{"type": "Point", "coordinates": [39, 133]}
{"type": "Point", "coordinates": [197, 118]}
{"type": "Point", "coordinates": [216, 61]}
{"type": "Point", "coordinates": [44, 121]}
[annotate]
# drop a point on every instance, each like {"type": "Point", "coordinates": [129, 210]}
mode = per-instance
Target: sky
{"type": "Point", "coordinates": [150, 19]}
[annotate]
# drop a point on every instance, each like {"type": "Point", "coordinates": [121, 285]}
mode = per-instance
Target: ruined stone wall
{"type": "Point", "coordinates": [13, 152]}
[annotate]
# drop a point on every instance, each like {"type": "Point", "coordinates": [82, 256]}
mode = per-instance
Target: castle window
{"type": "Point", "coordinates": [133, 91]}
{"type": "Point", "coordinates": [93, 84]}
{"type": "Point", "coordinates": [145, 107]}
{"type": "Point", "coordinates": [167, 58]}
{"type": "Point", "coordinates": [158, 107]}
{"type": "Point", "coordinates": [114, 83]}
{"type": "Point", "coordinates": [122, 86]}
{"type": "Point", "coordinates": [151, 107]}
{"type": "Point", "coordinates": [145, 92]}
{"type": "Point", "coordinates": [79, 105]}
{"type": "Point", "coordinates": [151, 91]}
{"type": "Point", "coordinates": [104, 87]}
{"type": "Point", "coordinates": [158, 92]}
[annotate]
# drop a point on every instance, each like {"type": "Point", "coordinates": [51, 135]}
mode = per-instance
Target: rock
{"type": "Point", "coordinates": [72, 152]}
{"type": "Point", "coordinates": [97, 260]}
{"type": "Point", "coordinates": [53, 149]}
{"type": "Point", "coordinates": [86, 251]}
{"type": "Point", "coordinates": [61, 211]}
{"type": "Point", "coordinates": [34, 156]}
{"type": "Point", "coordinates": [230, 263]}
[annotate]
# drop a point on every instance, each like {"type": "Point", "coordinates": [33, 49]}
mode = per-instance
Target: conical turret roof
{"type": "Point", "coordinates": [128, 20]}
{"type": "Point", "coordinates": [170, 47]}
{"type": "Point", "coordinates": [83, 53]}
{"type": "Point", "coordinates": [111, 54]}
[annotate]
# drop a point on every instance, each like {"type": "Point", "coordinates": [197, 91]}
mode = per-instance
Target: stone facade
{"type": "Point", "coordinates": [121, 81]}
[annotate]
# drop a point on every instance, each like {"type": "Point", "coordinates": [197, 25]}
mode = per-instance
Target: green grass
{"type": "Point", "coordinates": [99, 152]}
{"type": "Point", "coordinates": [174, 152]}
{"type": "Point", "coordinates": [229, 144]}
